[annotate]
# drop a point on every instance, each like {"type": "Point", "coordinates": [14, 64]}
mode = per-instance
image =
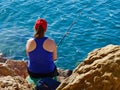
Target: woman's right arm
{"type": "Point", "coordinates": [55, 52]}
{"type": "Point", "coordinates": [50, 46]}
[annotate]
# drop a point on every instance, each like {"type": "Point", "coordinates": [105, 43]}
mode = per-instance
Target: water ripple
{"type": "Point", "coordinates": [98, 25]}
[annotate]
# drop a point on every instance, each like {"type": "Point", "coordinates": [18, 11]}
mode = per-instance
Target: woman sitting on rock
{"type": "Point", "coordinates": [42, 52]}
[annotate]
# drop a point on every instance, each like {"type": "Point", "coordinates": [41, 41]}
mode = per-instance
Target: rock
{"type": "Point", "coordinates": [5, 70]}
{"type": "Point", "coordinates": [63, 74]}
{"type": "Point", "coordinates": [14, 83]}
{"type": "Point", "coordinates": [2, 58]}
{"type": "Point", "coordinates": [14, 68]}
{"type": "Point", "coordinates": [19, 67]}
{"type": "Point", "coordinates": [99, 71]}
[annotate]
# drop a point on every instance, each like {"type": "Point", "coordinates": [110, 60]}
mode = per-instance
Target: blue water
{"type": "Point", "coordinates": [98, 25]}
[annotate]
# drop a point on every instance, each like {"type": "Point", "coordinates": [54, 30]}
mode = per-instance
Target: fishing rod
{"type": "Point", "coordinates": [70, 27]}
{"type": "Point", "coordinates": [68, 30]}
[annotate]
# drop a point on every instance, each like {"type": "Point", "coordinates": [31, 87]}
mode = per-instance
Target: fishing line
{"type": "Point", "coordinates": [70, 27]}
{"type": "Point", "coordinates": [68, 30]}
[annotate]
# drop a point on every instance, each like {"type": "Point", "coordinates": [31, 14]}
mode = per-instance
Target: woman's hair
{"type": "Point", "coordinates": [39, 32]}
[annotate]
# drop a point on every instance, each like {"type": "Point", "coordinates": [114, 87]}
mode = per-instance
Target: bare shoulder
{"type": "Point", "coordinates": [30, 45]}
{"type": "Point", "coordinates": [49, 45]}
{"type": "Point", "coordinates": [50, 41]}
{"type": "Point", "coordinates": [30, 40]}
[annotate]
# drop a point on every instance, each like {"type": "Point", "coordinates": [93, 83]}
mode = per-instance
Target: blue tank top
{"type": "Point", "coordinates": [40, 60]}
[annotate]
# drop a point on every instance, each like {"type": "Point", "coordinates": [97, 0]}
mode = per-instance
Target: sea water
{"type": "Point", "coordinates": [95, 24]}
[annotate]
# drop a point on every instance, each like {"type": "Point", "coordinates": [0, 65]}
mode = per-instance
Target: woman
{"type": "Point", "coordinates": [42, 52]}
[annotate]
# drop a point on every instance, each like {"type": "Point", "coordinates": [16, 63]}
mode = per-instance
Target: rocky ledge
{"type": "Point", "coordinates": [13, 74]}
{"type": "Point", "coordinates": [99, 71]}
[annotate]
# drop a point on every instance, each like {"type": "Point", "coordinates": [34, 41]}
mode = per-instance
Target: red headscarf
{"type": "Point", "coordinates": [41, 22]}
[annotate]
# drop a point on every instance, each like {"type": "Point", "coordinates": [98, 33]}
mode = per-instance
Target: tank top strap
{"type": "Point", "coordinates": [40, 42]}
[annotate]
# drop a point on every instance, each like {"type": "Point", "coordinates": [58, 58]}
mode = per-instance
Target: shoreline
{"type": "Point", "coordinates": [99, 71]}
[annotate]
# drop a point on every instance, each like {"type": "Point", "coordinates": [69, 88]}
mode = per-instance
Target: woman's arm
{"type": "Point", "coordinates": [50, 46]}
{"type": "Point", "coordinates": [55, 53]}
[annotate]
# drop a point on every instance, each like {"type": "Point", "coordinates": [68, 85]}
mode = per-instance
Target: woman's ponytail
{"type": "Point", "coordinates": [39, 32]}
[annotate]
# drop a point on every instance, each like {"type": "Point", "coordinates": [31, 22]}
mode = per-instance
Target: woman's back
{"type": "Point", "coordinates": [41, 60]}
